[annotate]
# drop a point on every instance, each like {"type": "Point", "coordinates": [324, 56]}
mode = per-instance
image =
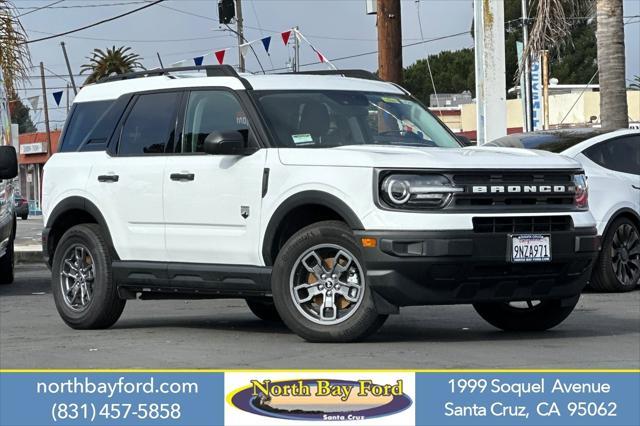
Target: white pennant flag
{"type": "Point", "coordinates": [33, 100]}
{"type": "Point", "coordinates": [244, 48]}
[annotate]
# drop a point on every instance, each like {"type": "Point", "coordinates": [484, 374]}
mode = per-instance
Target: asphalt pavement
{"type": "Point", "coordinates": [603, 332]}
{"type": "Point", "coordinates": [29, 232]}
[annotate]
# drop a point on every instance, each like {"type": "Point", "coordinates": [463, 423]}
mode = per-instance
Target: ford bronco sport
{"type": "Point", "coordinates": [328, 201]}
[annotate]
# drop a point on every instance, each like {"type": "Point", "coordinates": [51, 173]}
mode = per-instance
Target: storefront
{"type": "Point", "coordinates": [33, 154]}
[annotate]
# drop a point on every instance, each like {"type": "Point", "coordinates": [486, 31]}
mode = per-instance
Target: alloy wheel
{"type": "Point", "coordinates": [77, 277]}
{"type": "Point", "coordinates": [327, 284]}
{"type": "Point", "coordinates": [625, 255]}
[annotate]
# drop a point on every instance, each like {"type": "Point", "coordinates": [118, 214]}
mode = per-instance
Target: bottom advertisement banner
{"type": "Point", "coordinates": [275, 397]}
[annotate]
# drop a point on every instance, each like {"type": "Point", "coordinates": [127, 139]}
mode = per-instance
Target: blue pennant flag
{"type": "Point", "coordinates": [57, 96]}
{"type": "Point", "coordinates": [266, 42]}
{"type": "Point", "coordinates": [198, 60]}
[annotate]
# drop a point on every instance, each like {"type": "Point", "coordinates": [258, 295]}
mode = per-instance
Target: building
{"type": "Point", "coordinates": [448, 100]}
{"type": "Point", "coordinates": [33, 153]}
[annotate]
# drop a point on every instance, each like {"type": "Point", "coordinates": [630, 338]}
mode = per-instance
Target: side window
{"type": "Point", "coordinates": [85, 115]}
{"type": "Point", "coordinates": [150, 125]}
{"type": "Point", "coordinates": [621, 155]}
{"type": "Point", "coordinates": [210, 111]}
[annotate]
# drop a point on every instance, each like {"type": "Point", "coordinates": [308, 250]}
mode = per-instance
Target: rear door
{"type": "Point", "coordinates": [129, 181]}
{"type": "Point", "coordinates": [212, 202]}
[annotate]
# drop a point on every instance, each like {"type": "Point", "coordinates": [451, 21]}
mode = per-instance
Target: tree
{"type": "Point", "coordinates": [20, 116]}
{"type": "Point", "coordinates": [113, 61]}
{"type": "Point", "coordinates": [636, 83]}
{"type": "Point", "coordinates": [611, 64]}
{"type": "Point", "coordinates": [14, 54]}
{"type": "Point", "coordinates": [453, 72]}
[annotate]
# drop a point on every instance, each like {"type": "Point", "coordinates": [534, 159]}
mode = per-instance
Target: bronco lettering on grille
{"type": "Point", "coordinates": [515, 189]}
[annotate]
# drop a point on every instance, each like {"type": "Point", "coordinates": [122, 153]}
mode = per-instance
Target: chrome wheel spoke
{"type": "Point", "coordinates": [328, 310]}
{"type": "Point", "coordinates": [76, 277]}
{"type": "Point", "coordinates": [316, 269]}
{"type": "Point", "coordinates": [349, 291]}
{"type": "Point", "coordinates": [341, 263]}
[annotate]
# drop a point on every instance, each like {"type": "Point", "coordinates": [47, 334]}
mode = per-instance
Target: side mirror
{"type": "Point", "coordinates": [226, 143]}
{"type": "Point", "coordinates": [465, 141]}
{"type": "Point", "coordinates": [8, 162]}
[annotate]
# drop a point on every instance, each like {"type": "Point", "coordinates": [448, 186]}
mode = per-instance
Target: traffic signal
{"type": "Point", "coordinates": [226, 11]}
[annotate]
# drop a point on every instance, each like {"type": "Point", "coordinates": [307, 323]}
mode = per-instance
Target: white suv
{"type": "Point", "coordinates": [328, 201]}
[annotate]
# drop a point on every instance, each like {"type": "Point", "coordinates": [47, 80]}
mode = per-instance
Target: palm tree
{"type": "Point", "coordinates": [113, 61]}
{"type": "Point", "coordinates": [15, 60]}
{"type": "Point", "coordinates": [551, 26]}
{"type": "Point", "coordinates": [635, 85]}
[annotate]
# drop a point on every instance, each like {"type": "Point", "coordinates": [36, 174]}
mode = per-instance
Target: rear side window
{"type": "Point", "coordinates": [85, 115]}
{"type": "Point", "coordinates": [621, 155]}
{"type": "Point", "coordinates": [150, 125]}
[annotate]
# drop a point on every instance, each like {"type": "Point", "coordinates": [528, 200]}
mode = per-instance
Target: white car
{"type": "Point", "coordinates": [326, 200]}
{"type": "Point", "coordinates": [611, 161]}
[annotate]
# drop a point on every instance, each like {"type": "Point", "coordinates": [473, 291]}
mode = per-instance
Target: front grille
{"type": "Point", "coordinates": [524, 224]}
{"type": "Point", "coordinates": [522, 199]}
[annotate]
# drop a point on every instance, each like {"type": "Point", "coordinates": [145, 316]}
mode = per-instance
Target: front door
{"type": "Point", "coordinates": [212, 202]}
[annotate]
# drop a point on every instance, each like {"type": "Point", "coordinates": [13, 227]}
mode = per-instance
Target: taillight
{"type": "Point", "coordinates": [581, 197]}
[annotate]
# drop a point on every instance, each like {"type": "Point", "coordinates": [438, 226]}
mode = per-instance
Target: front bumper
{"type": "Point", "coordinates": [448, 267]}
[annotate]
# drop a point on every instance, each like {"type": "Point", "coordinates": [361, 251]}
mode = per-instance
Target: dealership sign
{"type": "Point", "coordinates": [33, 148]}
{"type": "Point", "coordinates": [537, 107]}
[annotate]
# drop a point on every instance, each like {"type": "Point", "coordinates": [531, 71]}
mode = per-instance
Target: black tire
{"type": "Point", "coordinates": [364, 319]}
{"type": "Point", "coordinates": [264, 309]}
{"type": "Point", "coordinates": [105, 307]}
{"type": "Point", "coordinates": [542, 316]}
{"type": "Point", "coordinates": [24, 217]}
{"type": "Point", "coordinates": [7, 263]}
{"type": "Point", "coordinates": [604, 276]}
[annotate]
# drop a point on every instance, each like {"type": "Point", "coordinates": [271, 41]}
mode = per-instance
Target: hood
{"type": "Point", "coordinates": [427, 158]}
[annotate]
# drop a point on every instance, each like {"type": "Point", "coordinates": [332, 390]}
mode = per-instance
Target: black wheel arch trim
{"type": "Point", "coordinates": [77, 203]}
{"type": "Point", "coordinates": [301, 199]}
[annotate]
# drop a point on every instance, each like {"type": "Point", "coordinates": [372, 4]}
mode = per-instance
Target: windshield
{"type": "Point", "coordinates": [324, 119]}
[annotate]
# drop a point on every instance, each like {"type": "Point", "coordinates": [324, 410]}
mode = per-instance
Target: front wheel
{"type": "Point", "coordinates": [81, 282]}
{"type": "Point", "coordinates": [531, 315]}
{"type": "Point", "coordinates": [319, 285]}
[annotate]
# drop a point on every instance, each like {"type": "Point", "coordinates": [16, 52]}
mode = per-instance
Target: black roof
{"type": "Point", "coordinates": [549, 140]}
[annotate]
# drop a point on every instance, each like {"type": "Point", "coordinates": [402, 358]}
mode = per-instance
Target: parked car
{"type": "Point", "coordinates": [611, 161]}
{"type": "Point", "coordinates": [8, 171]}
{"type": "Point", "coordinates": [328, 201]}
{"type": "Point", "coordinates": [22, 207]}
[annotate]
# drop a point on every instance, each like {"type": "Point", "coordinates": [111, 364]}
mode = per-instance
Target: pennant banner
{"type": "Point", "coordinates": [220, 55]}
{"type": "Point", "coordinates": [285, 36]}
{"type": "Point", "coordinates": [57, 96]}
{"type": "Point", "coordinates": [33, 100]}
{"type": "Point", "coordinates": [244, 48]}
{"type": "Point", "coordinates": [198, 60]}
{"type": "Point", "coordinates": [266, 42]}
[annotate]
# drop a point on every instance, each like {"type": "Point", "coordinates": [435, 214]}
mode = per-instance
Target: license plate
{"type": "Point", "coordinates": [530, 248]}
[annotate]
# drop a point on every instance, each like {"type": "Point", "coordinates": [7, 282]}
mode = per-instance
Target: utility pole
{"type": "Point", "coordinates": [389, 40]}
{"type": "Point", "coordinates": [491, 103]}
{"type": "Point", "coordinates": [240, 31]}
{"type": "Point", "coordinates": [296, 50]}
{"type": "Point", "coordinates": [46, 107]}
{"type": "Point", "coordinates": [66, 59]}
{"type": "Point", "coordinates": [526, 73]}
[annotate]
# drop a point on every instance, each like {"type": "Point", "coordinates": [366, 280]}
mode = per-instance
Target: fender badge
{"type": "Point", "coordinates": [244, 211]}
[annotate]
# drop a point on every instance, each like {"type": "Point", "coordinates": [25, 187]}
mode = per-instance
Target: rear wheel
{"type": "Point", "coordinates": [532, 315]}
{"type": "Point", "coordinates": [264, 309]}
{"type": "Point", "coordinates": [319, 285]}
{"type": "Point", "coordinates": [82, 286]}
{"type": "Point", "coordinates": [618, 266]}
{"type": "Point", "coordinates": [24, 217]}
{"type": "Point", "coordinates": [7, 263]}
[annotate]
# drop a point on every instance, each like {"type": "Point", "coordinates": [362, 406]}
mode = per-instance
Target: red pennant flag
{"type": "Point", "coordinates": [285, 36]}
{"type": "Point", "coordinates": [321, 57]}
{"type": "Point", "coordinates": [220, 56]}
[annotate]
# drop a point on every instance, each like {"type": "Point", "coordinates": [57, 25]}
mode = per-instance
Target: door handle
{"type": "Point", "coordinates": [108, 178]}
{"type": "Point", "coordinates": [182, 177]}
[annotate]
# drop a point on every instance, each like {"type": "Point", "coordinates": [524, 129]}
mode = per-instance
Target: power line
{"type": "Point", "coordinates": [135, 41]}
{"type": "Point", "coordinates": [97, 23]}
{"type": "Point", "coordinates": [40, 8]}
{"type": "Point", "coordinates": [77, 6]}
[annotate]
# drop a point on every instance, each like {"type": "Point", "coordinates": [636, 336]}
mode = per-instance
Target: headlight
{"type": "Point", "coordinates": [413, 191]}
{"type": "Point", "coordinates": [581, 197]}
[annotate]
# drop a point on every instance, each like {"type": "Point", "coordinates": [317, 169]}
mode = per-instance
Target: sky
{"type": "Point", "coordinates": [183, 29]}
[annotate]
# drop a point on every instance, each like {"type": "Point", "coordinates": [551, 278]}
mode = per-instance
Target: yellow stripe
{"type": "Point", "coordinates": [126, 370]}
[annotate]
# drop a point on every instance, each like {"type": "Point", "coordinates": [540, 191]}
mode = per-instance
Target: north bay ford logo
{"type": "Point", "coordinates": [320, 399]}
{"type": "Point", "coordinates": [515, 189]}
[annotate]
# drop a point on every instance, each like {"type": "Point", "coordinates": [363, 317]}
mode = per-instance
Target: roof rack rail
{"type": "Point", "coordinates": [353, 73]}
{"type": "Point", "coordinates": [212, 71]}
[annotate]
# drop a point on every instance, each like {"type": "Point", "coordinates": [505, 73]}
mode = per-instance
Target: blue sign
{"type": "Point", "coordinates": [537, 106]}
